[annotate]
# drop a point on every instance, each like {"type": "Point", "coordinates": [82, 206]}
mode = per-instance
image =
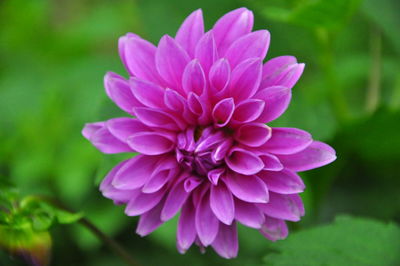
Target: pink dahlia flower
{"type": "Point", "coordinates": [198, 106]}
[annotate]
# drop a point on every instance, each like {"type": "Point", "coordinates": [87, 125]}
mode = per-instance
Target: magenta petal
{"type": "Point", "coordinates": [167, 169]}
{"type": "Point", "coordinates": [124, 127]}
{"type": "Point", "coordinates": [271, 162]}
{"type": "Point", "coordinates": [226, 243]}
{"type": "Point", "coordinates": [248, 214]}
{"type": "Point", "coordinates": [248, 110]}
{"type": "Point", "coordinates": [215, 174]}
{"type": "Point", "coordinates": [221, 150]}
{"type": "Point", "coordinates": [191, 183]}
{"type": "Point", "coordinates": [286, 207]}
{"type": "Point", "coordinates": [174, 101]}
{"type": "Point", "coordinates": [287, 141]}
{"type": "Point", "coordinates": [190, 32]}
{"type": "Point", "coordinates": [150, 221]}
{"type": "Point", "coordinates": [232, 26]}
{"type": "Point", "coordinates": [282, 182]}
{"type": "Point", "coordinates": [118, 90]}
{"type": "Point", "coordinates": [143, 202]}
{"type": "Point", "coordinates": [102, 139]}
{"type": "Point", "coordinates": [254, 44]}
{"type": "Point", "coordinates": [315, 155]}
{"type": "Point", "coordinates": [140, 58]}
{"type": "Point", "coordinates": [157, 118]}
{"type": "Point", "coordinates": [186, 233]}
{"type": "Point", "coordinates": [152, 143]}
{"type": "Point", "coordinates": [149, 94]}
{"type": "Point", "coordinates": [171, 60]}
{"type": "Point", "coordinates": [245, 79]}
{"type": "Point", "coordinates": [175, 199]}
{"type": "Point", "coordinates": [220, 74]}
{"type": "Point", "coordinates": [244, 162]}
{"type": "Point", "coordinates": [206, 51]}
{"type": "Point", "coordinates": [247, 188]}
{"type": "Point", "coordinates": [282, 71]}
{"type": "Point", "coordinates": [135, 172]}
{"type": "Point", "coordinates": [193, 79]}
{"type": "Point", "coordinates": [274, 229]}
{"type": "Point", "coordinates": [122, 47]}
{"type": "Point", "coordinates": [206, 222]}
{"type": "Point", "coordinates": [199, 107]}
{"type": "Point", "coordinates": [221, 202]}
{"type": "Point", "coordinates": [253, 134]}
{"type": "Point", "coordinates": [276, 99]}
{"type": "Point", "coordinates": [223, 112]}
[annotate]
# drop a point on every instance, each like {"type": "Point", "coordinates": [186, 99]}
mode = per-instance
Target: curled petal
{"type": "Point", "coordinates": [286, 207]}
{"type": "Point", "coordinates": [287, 141]}
{"type": "Point", "coordinates": [244, 162]}
{"type": "Point", "coordinates": [248, 214]}
{"type": "Point", "coordinates": [191, 183]}
{"type": "Point", "coordinates": [276, 100]}
{"type": "Point", "coordinates": [206, 51]}
{"type": "Point", "coordinates": [206, 222]}
{"type": "Point", "coordinates": [190, 32]}
{"type": "Point", "coordinates": [186, 233]}
{"type": "Point", "coordinates": [147, 93]}
{"type": "Point", "coordinates": [199, 107]}
{"type": "Point", "coordinates": [221, 202]}
{"type": "Point", "coordinates": [143, 202]}
{"type": "Point", "coordinates": [157, 118]}
{"type": "Point", "coordinates": [221, 150]}
{"type": "Point", "coordinates": [193, 79]}
{"type": "Point", "coordinates": [282, 182]}
{"type": "Point", "coordinates": [150, 220]}
{"type": "Point", "coordinates": [124, 127]}
{"type": "Point", "coordinates": [247, 188]}
{"type": "Point", "coordinates": [274, 229]}
{"type": "Point", "coordinates": [248, 110]}
{"type": "Point", "coordinates": [223, 112]}
{"type": "Point", "coordinates": [215, 174]}
{"type": "Point", "coordinates": [315, 155]}
{"type": "Point", "coordinates": [271, 162]}
{"type": "Point", "coordinates": [253, 134]}
{"type": "Point", "coordinates": [226, 243]}
{"type": "Point", "coordinates": [232, 26]}
{"type": "Point", "coordinates": [246, 79]}
{"type": "Point", "coordinates": [281, 71]}
{"type": "Point", "coordinates": [152, 143]}
{"type": "Point", "coordinates": [220, 74]}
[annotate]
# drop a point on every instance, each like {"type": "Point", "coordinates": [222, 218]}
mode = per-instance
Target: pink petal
{"type": "Point", "coordinates": [135, 172]}
{"type": "Point", "coordinates": [174, 101]}
{"type": "Point", "coordinates": [271, 162]}
{"type": "Point", "coordinates": [186, 233]}
{"type": "Point", "coordinates": [118, 90]}
{"type": "Point", "coordinates": [254, 44]}
{"type": "Point", "coordinates": [220, 74]}
{"type": "Point", "coordinates": [247, 188]}
{"type": "Point", "coordinates": [281, 71]}
{"type": "Point", "coordinates": [206, 51]}
{"type": "Point", "coordinates": [232, 26]}
{"type": "Point", "coordinates": [221, 150]}
{"type": "Point", "coordinates": [287, 141]}
{"type": "Point", "coordinates": [140, 58]}
{"type": "Point", "coordinates": [253, 134]}
{"type": "Point", "coordinates": [150, 221]}
{"type": "Point", "coordinates": [282, 182]}
{"type": "Point", "coordinates": [248, 110]}
{"type": "Point", "coordinates": [276, 99]}
{"type": "Point", "coordinates": [206, 222]}
{"type": "Point", "coordinates": [223, 112]}
{"type": "Point", "coordinates": [122, 46]}
{"type": "Point", "coordinates": [143, 203]}
{"type": "Point", "coordinates": [215, 174]}
{"type": "Point", "coordinates": [147, 93]}
{"type": "Point", "coordinates": [274, 229]}
{"type": "Point", "coordinates": [152, 143]}
{"type": "Point", "coordinates": [244, 162]}
{"type": "Point", "coordinates": [193, 79]}
{"type": "Point", "coordinates": [124, 127]}
{"type": "Point", "coordinates": [190, 32]}
{"type": "Point", "coordinates": [248, 214]}
{"type": "Point", "coordinates": [315, 155]}
{"type": "Point", "coordinates": [286, 207]}
{"type": "Point", "coordinates": [171, 60]}
{"type": "Point", "coordinates": [221, 203]}
{"type": "Point", "coordinates": [226, 243]}
{"type": "Point", "coordinates": [245, 79]}
{"type": "Point", "coordinates": [191, 183]}
{"type": "Point", "coordinates": [103, 140]}
{"type": "Point", "coordinates": [166, 170]}
{"type": "Point", "coordinates": [175, 200]}
{"type": "Point", "coordinates": [157, 118]}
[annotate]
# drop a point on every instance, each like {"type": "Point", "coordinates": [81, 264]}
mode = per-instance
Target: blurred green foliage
{"type": "Point", "coordinates": [52, 58]}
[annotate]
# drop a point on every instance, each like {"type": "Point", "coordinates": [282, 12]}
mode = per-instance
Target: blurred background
{"type": "Point", "coordinates": [54, 53]}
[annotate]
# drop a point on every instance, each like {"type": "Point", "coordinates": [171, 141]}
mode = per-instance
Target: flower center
{"type": "Point", "coordinates": [200, 150]}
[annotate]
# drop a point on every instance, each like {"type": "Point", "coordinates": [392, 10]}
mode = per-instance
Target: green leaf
{"type": "Point", "coordinates": [348, 241]}
{"type": "Point", "coordinates": [64, 217]}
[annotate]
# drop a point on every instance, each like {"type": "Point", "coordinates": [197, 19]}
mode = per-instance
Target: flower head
{"type": "Point", "coordinates": [199, 104]}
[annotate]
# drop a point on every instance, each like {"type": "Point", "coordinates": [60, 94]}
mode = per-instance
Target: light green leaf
{"type": "Point", "coordinates": [64, 217]}
{"type": "Point", "coordinates": [348, 241]}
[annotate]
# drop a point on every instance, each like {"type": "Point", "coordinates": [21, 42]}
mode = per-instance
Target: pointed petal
{"type": "Point", "coordinates": [248, 110]}
{"type": "Point", "coordinates": [287, 141]}
{"type": "Point", "coordinates": [206, 51]}
{"type": "Point", "coordinates": [282, 182]}
{"type": "Point", "coordinates": [271, 162]}
{"type": "Point", "coordinates": [193, 79]}
{"type": "Point", "coordinates": [221, 203]}
{"type": "Point", "coordinates": [123, 127]}
{"type": "Point", "coordinates": [254, 44]}
{"type": "Point", "coordinates": [226, 243]}
{"type": "Point", "coordinates": [171, 60]}
{"type": "Point", "coordinates": [174, 101]}
{"type": "Point", "coordinates": [247, 188]}
{"type": "Point", "coordinates": [223, 112]}
{"type": "Point", "coordinates": [287, 207]}
{"type": "Point", "coordinates": [152, 143]}
{"type": "Point", "coordinates": [276, 99]}
{"type": "Point", "coordinates": [221, 150]}
{"type": "Point", "coordinates": [143, 202]}
{"type": "Point", "coordinates": [215, 174]}
{"type": "Point", "coordinates": [190, 32]}
{"type": "Point", "coordinates": [274, 229]}
{"type": "Point", "coordinates": [150, 221]}
{"type": "Point", "coordinates": [191, 183]}
{"type": "Point", "coordinates": [281, 71]}
{"type": "Point", "coordinates": [175, 200]}
{"type": "Point", "coordinates": [220, 74]}
{"type": "Point", "coordinates": [206, 222]}
{"type": "Point", "coordinates": [157, 118]}
{"type": "Point", "coordinates": [186, 233]}
{"type": "Point", "coordinates": [232, 26]}
{"type": "Point", "coordinates": [147, 93]}
{"type": "Point", "coordinates": [317, 154]}
{"type": "Point", "coordinates": [122, 46]}
{"type": "Point", "coordinates": [244, 162]}
{"type": "Point", "coordinates": [248, 214]}
{"type": "Point", "coordinates": [253, 134]}
{"type": "Point", "coordinates": [246, 79]}
{"type": "Point", "coordinates": [166, 170]}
